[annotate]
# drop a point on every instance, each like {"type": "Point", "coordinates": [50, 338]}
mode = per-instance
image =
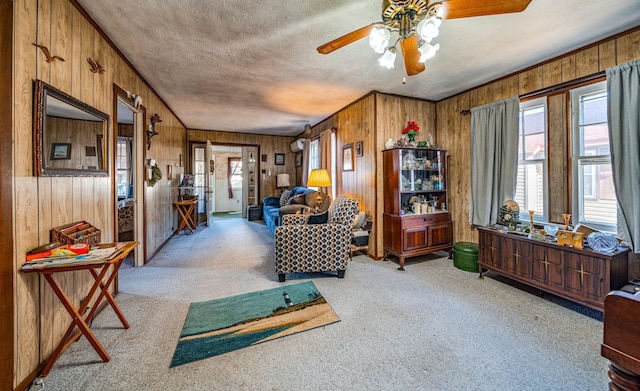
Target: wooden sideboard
{"type": "Point", "coordinates": [579, 275]}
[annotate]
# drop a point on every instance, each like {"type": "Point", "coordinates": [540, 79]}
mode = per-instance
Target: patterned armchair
{"type": "Point", "coordinates": [304, 248]}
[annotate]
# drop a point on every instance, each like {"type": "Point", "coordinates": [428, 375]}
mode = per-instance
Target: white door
{"type": "Point", "coordinates": [209, 183]}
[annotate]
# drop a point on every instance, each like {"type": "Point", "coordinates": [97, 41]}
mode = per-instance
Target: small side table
{"type": "Point", "coordinates": [360, 239]}
{"type": "Point", "coordinates": [254, 212]}
{"type": "Point", "coordinates": [103, 276]}
{"type": "Point", "coordinates": [185, 209]}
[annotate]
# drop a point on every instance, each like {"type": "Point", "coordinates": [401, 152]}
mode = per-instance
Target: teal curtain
{"type": "Point", "coordinates": [494, 158]}
{"type": "Point", "coordinates": [623, 86]}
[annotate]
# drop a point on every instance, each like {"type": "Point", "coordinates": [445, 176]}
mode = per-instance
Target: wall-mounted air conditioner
{"type": "Point", "coordinates": [298, 145]}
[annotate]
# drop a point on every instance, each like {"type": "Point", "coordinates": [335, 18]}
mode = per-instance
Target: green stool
{"type": "Point", "coordinates": [465, 256]}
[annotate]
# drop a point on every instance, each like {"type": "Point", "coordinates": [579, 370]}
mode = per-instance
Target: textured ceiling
{"type": "Point", "coordinates": [252, 66]}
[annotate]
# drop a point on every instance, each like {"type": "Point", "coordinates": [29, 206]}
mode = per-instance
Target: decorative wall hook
{"type": "Point", "coordinates": [155, 118]}
{"type": "Point", "coordinates": [152, 129]}
{"type": "Point", "coordinates": [95, 66]}
{"type": "Point", "coordinates": [47, 53]}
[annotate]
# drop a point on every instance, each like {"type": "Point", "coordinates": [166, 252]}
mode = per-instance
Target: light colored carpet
{"type": "Point", "coordinates": [433, 327]}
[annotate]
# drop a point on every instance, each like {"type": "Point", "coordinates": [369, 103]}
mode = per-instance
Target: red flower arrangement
{"type": "Point", "coordinates": [412, 126]}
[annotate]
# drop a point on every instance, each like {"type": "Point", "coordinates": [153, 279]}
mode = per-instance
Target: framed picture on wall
{"type": "Point", "coordinates": [298, 160]}
{"type": "Point", "coordinates": [359, 151]}
{"type": "Point", "coordinates": [90, 151]}
{"type": "Point", "coordinates": [347, 157]}
{"type": "Point", "coordinates": [60, 151]}
{"type": "Point", "coordinates": [279, 159]}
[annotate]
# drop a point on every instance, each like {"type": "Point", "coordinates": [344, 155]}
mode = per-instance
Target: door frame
{"type": "Point", "coordinates": [209, 183]}
{"type": "Point", "coordinates": [192, 143]}
{"type": "Point", "coordinates": [139, 214]}
{"type": "Point", "coordinates": [7, 251]}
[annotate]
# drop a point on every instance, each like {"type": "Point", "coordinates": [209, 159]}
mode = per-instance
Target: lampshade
{"type": "Point", "coordinates": [319, 178]}
{"type": "Point", "coordinates": [379, 39]}
{"type": "Point", "coordinates": [282, 180]}
{"type": "Point", "coordinates": [427, 51]}
{"type": "Point", "coordinates": [428, 28]}
{"type": "Point", "coordinates": [388, 58]}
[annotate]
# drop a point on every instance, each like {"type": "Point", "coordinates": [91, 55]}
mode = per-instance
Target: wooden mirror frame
{"type": "Point", "coordinates": [41, 160]}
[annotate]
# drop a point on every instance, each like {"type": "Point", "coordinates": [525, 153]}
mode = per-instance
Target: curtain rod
{"type": "Point", "coordinates": [558, 87]}
{"type": "Point", "coordinates": [317, 136]}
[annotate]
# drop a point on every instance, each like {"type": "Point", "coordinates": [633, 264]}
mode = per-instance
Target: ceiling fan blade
{"type": "Point", "coordinates": [453, 9]}
{"type": "Point", "coordinates": [411, 55]}
{"type": "Point", "coordinates": [346, 39]}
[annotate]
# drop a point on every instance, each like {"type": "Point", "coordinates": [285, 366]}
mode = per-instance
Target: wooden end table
{"type": "Point", "coordinates": [99, 271]}
{"type": "Point", "coordinates": [185, 209]}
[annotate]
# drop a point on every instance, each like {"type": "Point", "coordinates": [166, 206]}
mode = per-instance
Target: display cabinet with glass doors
{"type": "Point", "coordinates": [416, 217]}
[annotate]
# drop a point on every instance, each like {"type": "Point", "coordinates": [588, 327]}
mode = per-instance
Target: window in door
{"type": "Point", "coordinates": [198, 175]}
{"type": "Point", "coordinates": [594, 199]}
{"type": "Point", "coordinates": [531, 186]}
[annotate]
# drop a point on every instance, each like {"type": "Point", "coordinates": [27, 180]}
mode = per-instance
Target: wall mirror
{"type": "Point", "coordinates": [70, 137]}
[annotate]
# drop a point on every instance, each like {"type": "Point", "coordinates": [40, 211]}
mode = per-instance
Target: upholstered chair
{"type": "Point", "coordinates": [305, 248]}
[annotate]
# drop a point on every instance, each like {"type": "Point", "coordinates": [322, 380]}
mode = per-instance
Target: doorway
{"type": "Point", "coordinates": [225, 176]}
{"type": "Point", "coordinates": [128, 184]}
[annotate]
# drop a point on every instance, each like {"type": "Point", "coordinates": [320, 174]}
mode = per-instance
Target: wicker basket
{"type": "Point", "coordinates": [74, 233]}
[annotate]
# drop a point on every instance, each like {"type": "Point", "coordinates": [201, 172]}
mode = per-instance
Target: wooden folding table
{"type": "Point", "coordinates": [185, 209]}
{"type": "Point", "coordinates": [103, 280]}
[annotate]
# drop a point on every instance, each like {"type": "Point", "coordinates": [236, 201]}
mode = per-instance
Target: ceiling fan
{"type": "Point", "coordinates": [416, 23]}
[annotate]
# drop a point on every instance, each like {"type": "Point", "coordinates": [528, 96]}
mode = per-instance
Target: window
{"type": "Point", "coordinates": [123, 167]}
{"type": "Point", "coordinates": [314, 154]}
{"type": "Point", "coordinates": [594, 199]}
{"type": "Point", "coordinates": [314, 159]}
{"type": "Point", "coordinates": [234, 174]}
{"type": "Point", "coordinates": [531, 186]}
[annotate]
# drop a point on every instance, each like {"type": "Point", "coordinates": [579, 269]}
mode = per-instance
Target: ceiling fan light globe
{"type": "Point", "coordinates": [379, 39]}
{"type": "Point", "coordinates": [388, 59]}
{"type": "Point", "coordinates": [427, 51]}
{"type": "Point", "coordinates": [428, 29]}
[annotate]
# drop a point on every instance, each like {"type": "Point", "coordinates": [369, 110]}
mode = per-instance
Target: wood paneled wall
{"type": "Point", "coordinates": [41, 203]}
{"type": "Point", "coordinates": [453, 128]}
{"type": "Point", "coordinates": [79, 134]}
{"type": "Point", "coordinates": [269, 145]}
{"type": "Point", "coordinates": [373, 119]}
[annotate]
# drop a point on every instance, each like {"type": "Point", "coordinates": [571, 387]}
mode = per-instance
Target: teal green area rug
{"type": "Point", "coordinates": [227, 215]}
{"type": "Point", "coordinates": [224, 325]}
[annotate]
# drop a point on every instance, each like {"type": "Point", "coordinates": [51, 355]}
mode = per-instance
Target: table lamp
{"type": "Point", "coordinates": [282, 181]}
{"type": "Point", "coordinates": [319, 178]}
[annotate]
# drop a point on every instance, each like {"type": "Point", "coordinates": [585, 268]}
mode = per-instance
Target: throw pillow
{"type": "Point", "coordinates": [296, 200]}
{"type": "Point", "coordinates": [318, 219]}
{"type": "Point", "coordinates": [311, 200]}
{"type": "Point", "coordinates": [284, 197]}
{"type": "Point", "coordinates": [293, 208]}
